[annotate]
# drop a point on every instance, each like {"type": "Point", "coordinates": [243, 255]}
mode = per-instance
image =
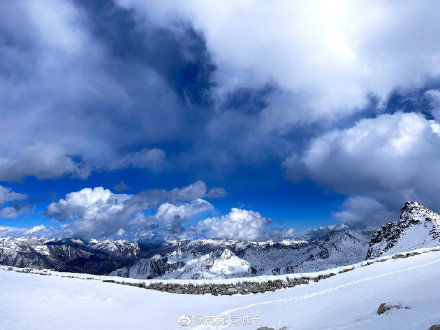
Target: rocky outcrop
{"type": "Point", "coordinates": [384, 307]}
{"type": "Point", "coordinates": [418, 227]}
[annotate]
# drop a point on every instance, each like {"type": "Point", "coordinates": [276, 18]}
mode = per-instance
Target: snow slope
{"type": "Point", "coordinates": [345, 301]}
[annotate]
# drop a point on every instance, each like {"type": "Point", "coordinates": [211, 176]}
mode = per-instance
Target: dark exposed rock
{"type": "Point", "coordinates": [386, 307]}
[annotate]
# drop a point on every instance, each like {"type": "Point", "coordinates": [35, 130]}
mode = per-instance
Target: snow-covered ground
{"type": "Point", "coordinates": [345, 301]}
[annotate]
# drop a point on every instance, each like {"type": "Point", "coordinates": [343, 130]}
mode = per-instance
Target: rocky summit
{"type": "Point", "coordinates": [418, 227]}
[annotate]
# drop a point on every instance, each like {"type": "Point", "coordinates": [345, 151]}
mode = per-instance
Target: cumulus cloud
{"type": "Point", "coordinates": [238, 224]}
{"type": "Point", "coordinates": [87, 203]}
{"type": "Point", "coordinates": [99, 212]}
{"type": "Point", "coordinates": [380, 162]}
{"type": "Point", "coordinates": [95, 212]}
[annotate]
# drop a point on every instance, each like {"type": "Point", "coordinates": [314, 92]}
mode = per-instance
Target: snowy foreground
{"type": "Point", "coordinates": [345, 301]}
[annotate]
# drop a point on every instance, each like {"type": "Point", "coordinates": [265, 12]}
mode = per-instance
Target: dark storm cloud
{"type": "Point", "coordinates": [83, 88]}
{"type": "Point", "coordinates": [90, 85]}
{"type": "Point", "coordinates": [178, 52]}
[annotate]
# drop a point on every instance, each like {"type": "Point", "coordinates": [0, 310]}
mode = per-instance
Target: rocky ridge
{"type": "Point", "coordinates": [418, 227]}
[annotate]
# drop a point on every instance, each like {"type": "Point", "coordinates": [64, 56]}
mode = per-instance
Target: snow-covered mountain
{"type": "Point", "coordinates": [189, 265]}
{"type": "Point", "coordinates": [225, 258]}
{"type": "Point", "coordinates": [72, 255]}
{"type": "Point", "coordinates": [202, 258]}
{"type": "Point", "coordinates": [418, 227]}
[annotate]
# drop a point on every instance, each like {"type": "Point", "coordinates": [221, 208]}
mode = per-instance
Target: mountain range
{"type": "Point", "coordinates": [208, 258]}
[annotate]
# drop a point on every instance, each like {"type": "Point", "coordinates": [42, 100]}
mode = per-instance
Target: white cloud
{"type": "Point", "coordinates": [167, 212]}
{"type": "Point", "coordinates": [172, 216]}
{"type": "Point", "coordinates": [380, 162]}
{"type": "Point", "coordinates": [238, 224]}
{"type": "Point", "coordinates": [95, 212]}
{"type": "Point", "coordinates": [88, 204]}
{"type": "Point", "coordinates": [99, 212]}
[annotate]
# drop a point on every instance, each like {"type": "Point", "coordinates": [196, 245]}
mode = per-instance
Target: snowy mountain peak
{"type": "Point", "coordinates": [227, 254]}
{"type": "Point", "coordinates": [418, 212]}
{"type": "Point", "coordinates": [418, 227]}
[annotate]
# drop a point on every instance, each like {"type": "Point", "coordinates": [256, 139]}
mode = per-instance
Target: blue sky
{"type": "Point", "coordinates": [300, 115]}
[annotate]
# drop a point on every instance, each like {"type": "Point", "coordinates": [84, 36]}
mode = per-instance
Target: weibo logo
{"type": "Point", "coordinates": [185, 320]}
